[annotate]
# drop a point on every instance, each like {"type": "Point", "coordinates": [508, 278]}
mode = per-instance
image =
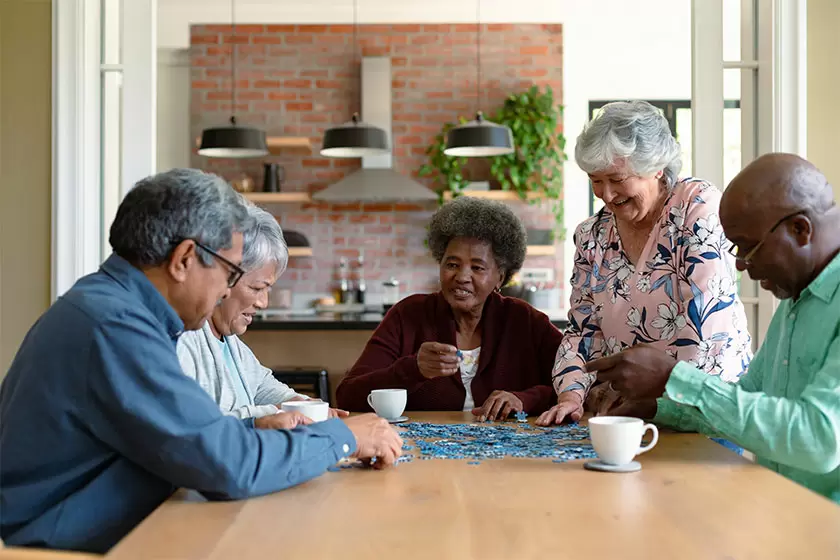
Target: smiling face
{"type": "Point", "coordinates": [468, 274]}
{"type": "Point", "coordinates": [629, 197]}
{"type": "Point", "coordinates": [235, 313]}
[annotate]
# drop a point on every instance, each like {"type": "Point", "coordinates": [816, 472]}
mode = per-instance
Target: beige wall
{"type": "Point", "coordinates": [824, 88]}
{"type": "Point", "coordinates": [25, 169]}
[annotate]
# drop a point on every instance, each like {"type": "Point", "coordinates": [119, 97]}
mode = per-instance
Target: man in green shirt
{"type": "Point", "coordinates": [780, 215]}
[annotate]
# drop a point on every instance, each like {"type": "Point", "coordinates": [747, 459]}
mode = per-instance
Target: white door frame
{"type": "Point", "coordinates": [79, 222]}
{"type": "Point", "coordinates": [75, 154]}
{"type": "Point", "coordinates": [773, 97]}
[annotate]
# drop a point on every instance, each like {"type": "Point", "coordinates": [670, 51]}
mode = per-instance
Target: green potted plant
{"type": "Point", "coordinates": [448, 171]}
{"type": "Point", "coordinates": [536, 166]}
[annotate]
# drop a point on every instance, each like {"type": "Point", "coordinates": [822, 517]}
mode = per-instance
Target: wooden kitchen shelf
{"type": "Point", "coordinates": [541, 251]}
{"type": "Point", "coordinates": [278, 197]}
{"type": "Point", "coordinates": [300, 251]}
{"type": "Point", "coordinates": [277, 144]}
{"type": "Point", "coordinates": [492, 195]}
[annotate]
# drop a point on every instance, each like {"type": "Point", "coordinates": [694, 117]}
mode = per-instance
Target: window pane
{"type": "Point", "coordinates": [683, 117]}
{"type": "Point", "coordinates": [111, 152]}
{"type": "Point", "coordinates": [111, 31]}
{"type": "Point", "coordinates": [731, 124]}
{"type": "Point", "coordinates": [731, 29]}
{"type": "Point", "coordinates": [731, 144]}
{"type": "Point", "coordinates": [111, 111]}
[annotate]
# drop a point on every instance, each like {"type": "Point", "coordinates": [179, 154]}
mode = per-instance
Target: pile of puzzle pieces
{"type": "Point", "coordinates": [479, 441]}
{"type": "Point", "coordinates": [494, 441]}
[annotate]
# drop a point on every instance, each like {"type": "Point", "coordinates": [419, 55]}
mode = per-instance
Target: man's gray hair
{"type": "Point", "coordinates": [263, 242]}
{"type": "Point", "coordinates": [635, 130]}
{"type": "Point", "coordinates": [163, 210]}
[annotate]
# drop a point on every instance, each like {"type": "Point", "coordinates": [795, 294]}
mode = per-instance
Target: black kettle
{"type": "Point", "coordinates": [273, 177]}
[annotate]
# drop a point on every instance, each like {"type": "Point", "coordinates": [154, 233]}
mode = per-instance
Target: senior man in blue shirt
{"type": "Point", "coordinates": [98, 424]}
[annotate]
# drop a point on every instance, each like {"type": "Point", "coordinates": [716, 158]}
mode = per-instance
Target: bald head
{"type": "Point", "coordinates": [777, 183]}
{"type": "Point", "coordinates": [779, 213]}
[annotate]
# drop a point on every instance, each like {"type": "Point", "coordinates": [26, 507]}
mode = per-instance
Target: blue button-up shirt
{"type": "Point", "coordinates": [98, 425]}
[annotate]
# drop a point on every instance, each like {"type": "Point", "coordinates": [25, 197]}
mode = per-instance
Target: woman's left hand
{"type": "Point", "coordinates": [338, 413]}
{"type": "Point", "coordinates": [498, 406]}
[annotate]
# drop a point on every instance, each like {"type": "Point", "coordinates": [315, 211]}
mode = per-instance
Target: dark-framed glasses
{"type": "Point", "coordinates": [746, 257]}
{"type": "Point", "coordinates": [236, 271]}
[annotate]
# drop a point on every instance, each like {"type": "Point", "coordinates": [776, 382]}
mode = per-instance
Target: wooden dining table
{"type": "Point", "coordinates": [692, 499]}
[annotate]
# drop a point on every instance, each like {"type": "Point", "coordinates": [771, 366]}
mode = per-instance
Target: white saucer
{"type": "Point", "coordinates": [397, 420]}
{"type": "Point", "coordinates": [597, 465]}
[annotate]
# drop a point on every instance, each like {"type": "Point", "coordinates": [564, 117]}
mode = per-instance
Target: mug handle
{"type": "Point", "coordinates": [370, 404]}
{"type": "Point", "coordinates": [652, 443]}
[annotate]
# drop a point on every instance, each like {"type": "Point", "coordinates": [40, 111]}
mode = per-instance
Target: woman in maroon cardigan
{"type": "Point", "coordinates": [465, 347]}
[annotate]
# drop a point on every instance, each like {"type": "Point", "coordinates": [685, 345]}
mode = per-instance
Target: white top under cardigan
{"type": "Point", "coordinates": [202, 358]}
{"type": "Point", "coordinates": [469, 367]}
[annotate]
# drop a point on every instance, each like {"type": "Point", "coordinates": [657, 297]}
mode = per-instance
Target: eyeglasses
{"type": "Point", "coordinates": [236, 271]}
{"type": "Point", "coordinates": [747, 258]}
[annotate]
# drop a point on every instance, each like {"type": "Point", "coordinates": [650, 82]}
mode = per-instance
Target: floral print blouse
{"type": "Point", "coordinates": [681, 296]}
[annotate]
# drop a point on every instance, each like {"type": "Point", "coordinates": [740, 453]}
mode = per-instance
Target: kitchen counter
{"type": "Point", "coordinates": [341, 322]}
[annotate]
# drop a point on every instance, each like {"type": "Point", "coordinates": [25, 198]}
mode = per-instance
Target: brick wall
{"type": "Point", "coordinates": [299, 80]}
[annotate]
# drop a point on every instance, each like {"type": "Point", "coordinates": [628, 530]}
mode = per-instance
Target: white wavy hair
{"type": "Point", "coordinates": [263, 242]}
{"type": "Point", "coordinates": [632, 130]}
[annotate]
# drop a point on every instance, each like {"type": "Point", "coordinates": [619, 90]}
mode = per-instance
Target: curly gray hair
{"type": "Point", "coordinates": [635, 130]}
{"type": "Point", "coordinates": [163, 210]}
{"type": "Point", "coordinates": [485, 220]}
{"type": "Point", "coordinates": [263, 242]}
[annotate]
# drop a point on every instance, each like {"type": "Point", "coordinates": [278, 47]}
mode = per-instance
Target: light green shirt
{"type": "Point", "coordinates": [786, 408]}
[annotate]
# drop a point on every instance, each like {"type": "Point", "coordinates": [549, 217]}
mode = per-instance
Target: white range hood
{"type": "Point", "coordinates": [376, 180]}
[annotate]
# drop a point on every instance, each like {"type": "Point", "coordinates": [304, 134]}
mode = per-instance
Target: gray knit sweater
{"type": "Point", "coordinates": [202, 359]}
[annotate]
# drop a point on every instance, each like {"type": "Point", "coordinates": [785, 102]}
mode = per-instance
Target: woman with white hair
{"type": "Point", "coordinates": [651, 267]}
{"type": "Point", "coordinates": [219, 361]}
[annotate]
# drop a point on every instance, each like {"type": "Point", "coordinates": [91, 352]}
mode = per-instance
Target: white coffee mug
{"type": "Point", "coordinates": [388, 403]}
{"type": "Point", "coordinates": [617, 439]}
{"type": "Point", "coordinates": [317, 411]}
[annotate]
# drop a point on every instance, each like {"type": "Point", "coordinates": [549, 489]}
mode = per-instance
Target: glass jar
{"type": "Point", "coordinates": [391, 294]}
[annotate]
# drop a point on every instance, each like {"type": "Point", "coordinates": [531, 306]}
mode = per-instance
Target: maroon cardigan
{"type": "Point", "coordinates": [518, 347]}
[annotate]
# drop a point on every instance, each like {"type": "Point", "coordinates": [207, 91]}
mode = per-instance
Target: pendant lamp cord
{"type": "Point", "coordinates": [356, 49]}
{"type": "Point", "coordinates": [478, 56]}
{"type": "Point", "coordinates": [233, 63]}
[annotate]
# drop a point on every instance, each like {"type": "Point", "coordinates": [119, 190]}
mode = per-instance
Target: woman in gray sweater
{"type": "Point", "coordinates": [219, 361]}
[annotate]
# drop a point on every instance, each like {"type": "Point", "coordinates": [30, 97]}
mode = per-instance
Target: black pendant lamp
{"type": "Point", "coordinates": [354, 139]}
{"type": "Point", "coordinates": [479, 137]}
{"type": "Point", "coordinates": [233, 141]}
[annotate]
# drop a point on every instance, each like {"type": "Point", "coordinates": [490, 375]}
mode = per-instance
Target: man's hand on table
{"type": "Point", "coordinates": [375, 437]}
{"type": "Point", "coordinates": [638, 373]}
{"type": "Point", "coordinates": [498, 406]}
{"type": "Point", "coordinates": [281, 421]}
